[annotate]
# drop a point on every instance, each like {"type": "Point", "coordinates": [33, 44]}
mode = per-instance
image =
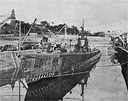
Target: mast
{"type": "Point", "coordinates": [82, 32]}
{"type": "Point", "coordinates": [19, 50]}
{"type": "Point", "coordinates": [19, 35]}
{"type": "Point", "coordinates": [127, 40]}
{"type": "Point", "coordinates": [65, 32]}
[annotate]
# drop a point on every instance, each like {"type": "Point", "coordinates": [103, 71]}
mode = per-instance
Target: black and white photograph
{"type": "Point", "coordinates": [63, 50]}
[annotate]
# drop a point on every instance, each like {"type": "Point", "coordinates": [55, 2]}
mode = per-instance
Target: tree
{"type": "Point", "coordinates": [75, 30]}
{"type": "Point", "coordinates": [45, 24]}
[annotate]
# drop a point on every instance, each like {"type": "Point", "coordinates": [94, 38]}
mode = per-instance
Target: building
{"type": "Point", "coordinates": [13, 18]}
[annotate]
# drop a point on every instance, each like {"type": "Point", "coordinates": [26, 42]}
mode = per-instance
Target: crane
{"type": "Point", "coordinates": [4, 21]}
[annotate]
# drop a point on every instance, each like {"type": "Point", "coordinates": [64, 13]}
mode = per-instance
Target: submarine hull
{"type": "Point", "coordinates": [56, 87]}
{"type": "Point", "coordinates": [122, 57]}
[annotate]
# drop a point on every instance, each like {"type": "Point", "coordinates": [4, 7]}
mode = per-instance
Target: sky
{"type": "Point", "coordinates": [98, 15]}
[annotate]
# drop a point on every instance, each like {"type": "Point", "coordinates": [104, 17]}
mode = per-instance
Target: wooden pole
{"type": "Point", "coordinates": [19, 35]}
{"type": "Point", "coordinates": [82, 85]}
{"type": "Point", "coordinates": [66, 32]}
{"type": "Point", "coordinates": [19, 50]}
{"type": "Point", "coordinates": [19, 90]}
{"type": "Point", "coordinates": [70, 44]}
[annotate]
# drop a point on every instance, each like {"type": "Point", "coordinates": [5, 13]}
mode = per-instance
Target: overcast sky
{"type": "Point", "coordinates": [98, 14]}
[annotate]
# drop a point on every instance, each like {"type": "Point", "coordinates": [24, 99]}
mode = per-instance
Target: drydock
{"type": "Point", "coordinates": [21, 92]}
{"type": "Point", "coordinates": [50, 68]}
{"type": "Point", "coordinates": [49, 76]}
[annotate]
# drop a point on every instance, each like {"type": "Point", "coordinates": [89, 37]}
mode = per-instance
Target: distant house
{"type": "Point", "coordinates": [101, 34]}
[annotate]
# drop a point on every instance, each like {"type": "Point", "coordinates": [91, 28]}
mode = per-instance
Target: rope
{"type": "Point", "coordinates": [71, 74]}
{"type": "Point", "coordinates": [113, 65]}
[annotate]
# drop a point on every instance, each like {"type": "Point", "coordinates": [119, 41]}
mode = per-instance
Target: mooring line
{"type": "Point", "coordinates": [113, 65]}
